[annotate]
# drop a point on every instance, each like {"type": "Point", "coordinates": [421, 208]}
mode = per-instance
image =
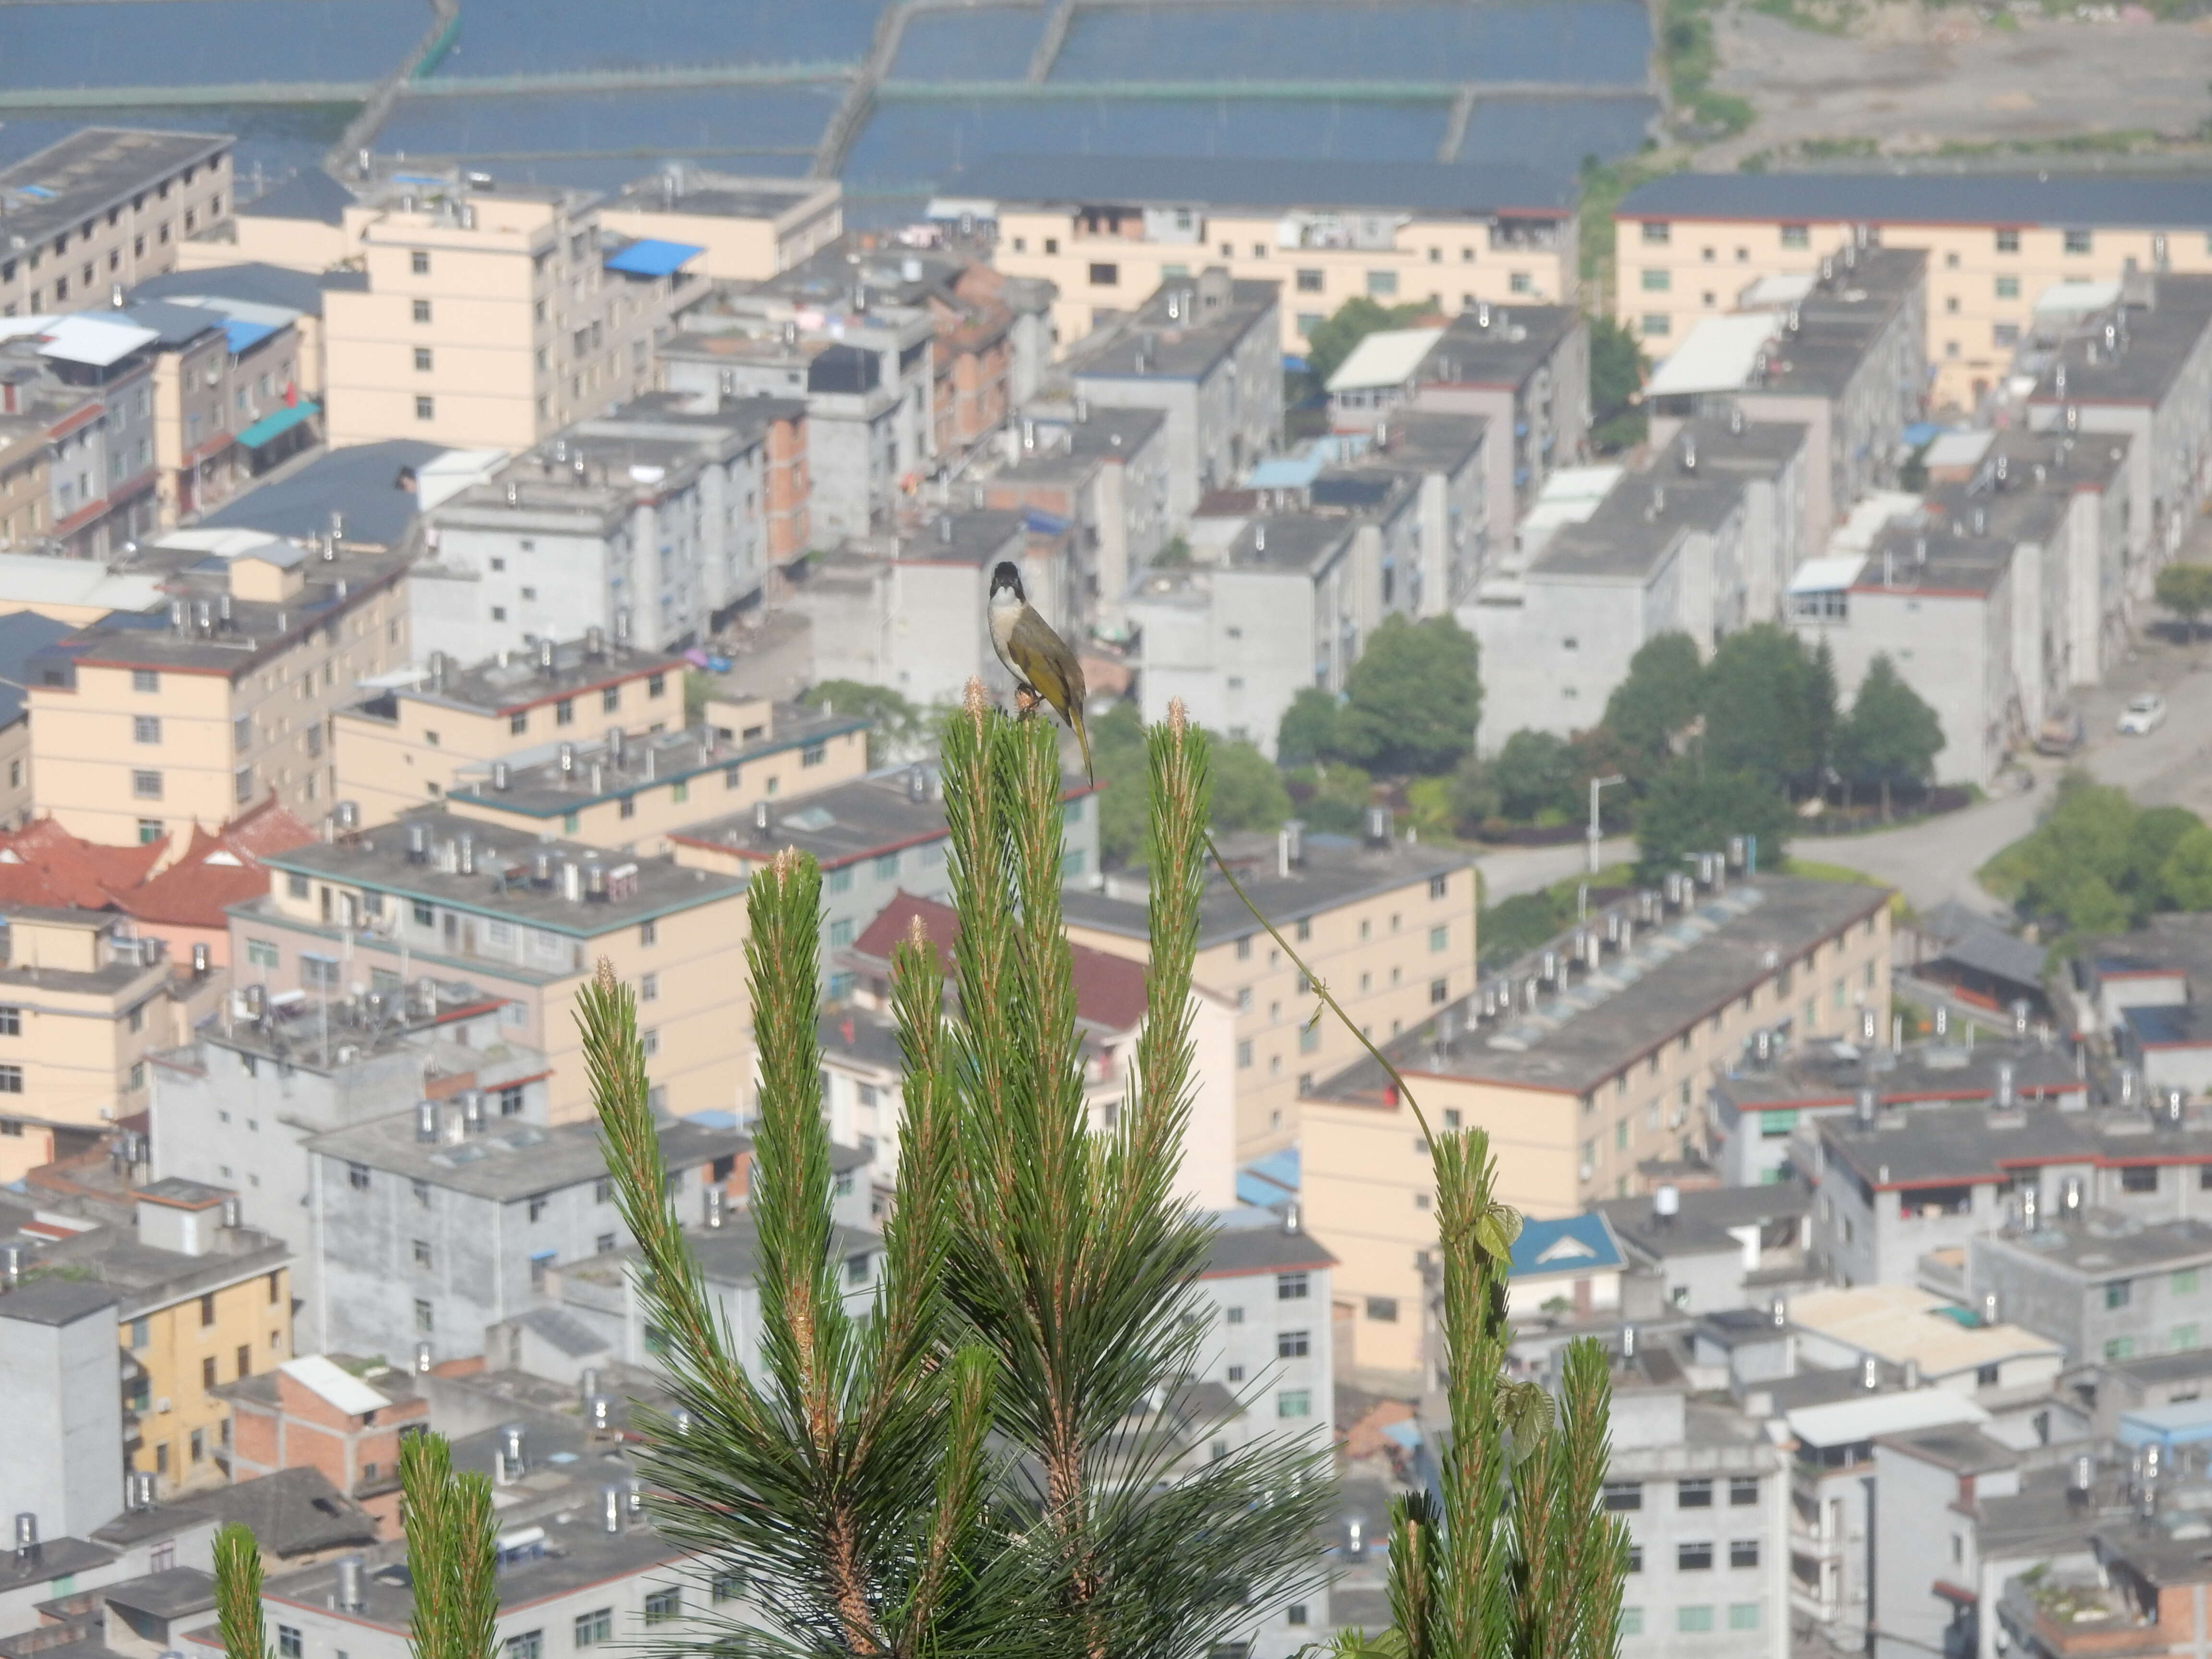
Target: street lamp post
{"type": "Point", "coordinates": [1596, 834]}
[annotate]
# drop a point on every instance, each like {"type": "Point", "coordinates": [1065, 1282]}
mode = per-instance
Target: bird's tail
{"type": "Point", "coordinates": [1083, 737]}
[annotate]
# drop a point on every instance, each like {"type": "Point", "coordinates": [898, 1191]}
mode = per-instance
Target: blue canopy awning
{"type": "Point", "coordinates": [274, 426]}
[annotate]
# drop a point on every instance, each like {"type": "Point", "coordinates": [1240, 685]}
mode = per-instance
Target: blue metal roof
{"type": "Point", "coordinates": [649, 258]}
{"type": "Point", "coordinates": [1579, 1244]}
{"type": "Point", "coordinates": [1269, 1180]}
{"type": "Point", "coordinates": [2083, 200]}
{"type": "Point", "coordinates": [2184, 1423]}
{"type": "Point", "coordinates": [243, 337]}
{"type": "Point", "coordinates": [2185, 1025]}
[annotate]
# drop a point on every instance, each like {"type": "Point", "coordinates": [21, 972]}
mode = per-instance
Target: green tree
{"type": "Point", "coordinates": [2185, 878]}
{"type": "Point", "coordinates": [2151, 841]}
{"type": "Point", "coordinates": [2186, 591]}
{"type": "Point", "coordinates": [1617, 369]}
{"type": "Point", "coordinates": [1533, 773]}
{"type": "Point", "coordinates": [1768, 707]}
{"type": "Point", "coordinates": [1117, 747]}
{"type": "Point", "coordinates": [1335, 336]}
{"type": "Point", "coordinates": [895, 727]}
{"type": "Point", "coordinates": [1331, 798]}
{"type": "Point", "coordinates": [1660, 697]}
{"type": "Point", "coordinates": [1248, 790]}
{"type": "Point", "coordinates": [1892, 736]}
{"type": "Point", "coordinates": [1692, 809]}
{"type": "Point", "coordinates": [2093, 865]}
{"type": "Point", "coordinates": [1308, 733]}
{"type": "Point", "coordinates": [1413, 699]}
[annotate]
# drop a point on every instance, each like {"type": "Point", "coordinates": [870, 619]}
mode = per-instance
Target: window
{"type": "Point", "coordinates": [1696, 1557]}
{"type": "Point", "coordinates": [1693, 1494]}
{"type": "Point", "coordinates": [1742, 1489]}
{"type": "Point", "coordinates": [649, 988]}
{"type": "Point", "coordinates": [288, 1641]}
{"type": "Point", "coordinates": [1636, 1558]}
{"type": "Point", "coordinates": [2007, 288]}
{"type": "Point", "coordinates": [1656, 325]}
{"type": "Point", "coordinates": [1631, 1622]}
{"type": "Point", "coordinates": [207, 1374]}
{"type": "Point", "coordinates": [1293, 1345]}
{"type": "Point", "coordinates": [145, 728]}
{"type": "Point", "coordinates": [1743, 1553]}
{"type": "Point", "coordinates": [1105, 275]}
{"type": "Point", "coordinates": [1624, 1495]}
{"type": "Point", "coordinates": [2139, 1178]}
{"type": "Point", "coordinates": [1657, 281]}
{"type": "Point", "coordinates": [592, 1628]}
{"type": "Point", "coordinates": [424, 916]}
{"type": "Point", "coordinates": [357, 1176]}
{"type": "Point", "coordinates": [2184, 1338]}
{"type": "Point", "coordinates": [145, 679]}
{"type": "Point", "coordinates": [418, 262]}
{"type": "Point", "coordinates": [426, 409]}
{"type": "Point", "coordinates": [1294, 1402]}
{"type": "Point", "coordinates": [422, 1246]}
{"type": "Point", "coordinates": [2077, 241]}
{"type": "Point", "coordinates": [1795, 236]}
{"type": "Point", "coordinates": [11, 1021]}
{"type": "Point", "coordinates": [1309, 281]}
{"type": "Point", "coordinates": [1291, 1287]}
{"type": "Point", "coordinates": [1743, 1615]}
{"type": "Point", "coordinates": [2120, 1347]}
{"type": "Point", "coordinates": [1296, 1613]}
{"type": "Point", "coordinates": [2004, 334]}
{"type": "Point", "coordinates": [1383, 285]}
{"type": "Point", "coordinates": [526, 1645]}
{"type": "Point", "coordinates": [2008, 242]}
{"type": "Point", "coordinates": [1244, 1053]}
{"type": "Point", "coordinates": [1383, 1309]}
{"type": "Point", "coordinates": [422, 311]}
{"type": "Point", "coordinates": [663, 1605]}
{"type": "Point", "coordinates": [538, 1206]}
{"type": "Point", "coordinates": [2119, 1293]}
{"type": "Point", "coordinates": [146, 786]}
{"type": "Point", "coordinates": [207, 1310]}
{"type": "Point", "coordinates": [422, 360]}
{"type": "Point", "coordinates": [425, 1317]}
{"type": "Point", "coordinates": [726, 1586]}
{"type": "Point", "coordinates": [1658, 233]}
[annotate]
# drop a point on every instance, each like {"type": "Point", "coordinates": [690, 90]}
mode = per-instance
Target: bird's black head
{"type": "Point", "coordinates": [1006, 576]}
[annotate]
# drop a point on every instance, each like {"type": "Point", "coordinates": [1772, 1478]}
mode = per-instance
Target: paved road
{"type": "Point", "coordinates": [1935, 860]}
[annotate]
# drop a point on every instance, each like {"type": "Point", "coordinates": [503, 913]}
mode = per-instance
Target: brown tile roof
{"type": "Point", "coordinates": [1110, 990]}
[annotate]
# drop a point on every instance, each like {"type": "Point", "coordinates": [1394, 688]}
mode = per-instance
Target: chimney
{"type": "Point", "coordinates": [498, 774]}
{"type": "Point", "coordinates": [2004, 1099]}
{"type": "Point", "coordinates": [1666, 1205]}
{"type": "Point", "coordinates": [1867, 1109]}
{"type": "Point", "coordinates": [348, 1596]}
{"type": "Point", "coordinates": [1992, 1309]}
{"type": "Point", "coordinates": [26, 1538]}
{"type": "Point", "coordinates": [1627, 1344]}
{"type": "Point", "coordinates": [1912, 1373]}
{"type": "Point", "coordinates": [716, 1200]}
{"type": "Point", "coordinates": [512, 1455]}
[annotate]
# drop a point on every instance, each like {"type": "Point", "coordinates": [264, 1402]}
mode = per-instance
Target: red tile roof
{"type": "Point", "coordinates": [1110, 990]}
{"type": "Point", "coordinates": [43, 864]}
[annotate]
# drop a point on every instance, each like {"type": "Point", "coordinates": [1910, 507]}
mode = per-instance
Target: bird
{"type": "Point", "coordinates": [1037, 658]}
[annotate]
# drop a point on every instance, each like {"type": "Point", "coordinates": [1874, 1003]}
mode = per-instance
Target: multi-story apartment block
{"type": "Point", "coordinates": [104, 206]}
{"type": "Point", "coordinates": [139, 732]}
{"type": "Point", "coordinates": [1525, 369]}
{"type": "Point", "coordinates": [490, 318]}
{"type": "Point", "coordinates": [256, 293]}
{"type": "Point", "coordinates": [433, 1224]}
{"type": "Point", "coordinates": [312, 1413]}
{"type": "Point", "coordinates": [746, 230]}
{"type": "Point", "coordinates": [1578, 1072]}
{"type": "Point", "coordinates": [1105, 230]}
{"type": "Point", "coordinates": [1204, 350]}
{"type": "Point", "coordinates": [1389, 924]}
{"type": "Point", "coordinates": [85, 1002]}
{"type": "Point", "coordinates": [653, 523]}
{"type": "Point", "coordinates": [227, 403]}
{"type": "Point", "coordinates": [1104, 473]}
{"type": "Point", "coordinates": [236, 1105]}
{"type": "Point", "coordinates": [2105, 1290]}
{"type": "Point", "coordinates": [82, 388]}
{"type": "Point", "coordinates": [524, 919]}
{"type": "Point", "coordinates": [875, 838]}
{"type": "Point", "coordinates": [1996, 245]}
{"type": "Point", "coordinates": [63, 1457]}
{"type": "Point", "coordinates": [410, 745]}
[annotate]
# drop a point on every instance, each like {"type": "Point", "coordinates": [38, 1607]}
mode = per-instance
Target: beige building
{"type": "Point", "coordinates": [142, 731]}
{"type": "Point", "coordinates": [1388, 926]}
{"type": "Point", "coordinates": [526, 919]}
{"type": "Point", "coordinates": [1106, 231]}
{"type": "Point", "coordinates": [82, 1003]}
{"type": "Point", "coordinates": [2004, 252]}
{"type": "Point", "coordinates": [406, 746]}
{"type": "Point", "coordinates": [26, 480]}
{"type": "Point", "coordinates": [104, 207]}
{"type": "Point", "coordinates": [1579, 1074]}
{"type": "Point", "coordinates": [747, 230]}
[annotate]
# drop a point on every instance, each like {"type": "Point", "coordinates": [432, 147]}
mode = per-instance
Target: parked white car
{"type": "Point", "coordinates": [2143, 716]}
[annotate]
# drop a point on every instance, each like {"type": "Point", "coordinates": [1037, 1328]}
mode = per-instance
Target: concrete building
{"type": "Point", "coordinates": [652, 522]}
{"type": "Point", "coordinates": [1997, 244]}
{"type": "Point", "coordinates": [1525, 369]}
{"type": "Point", "coordinates": [1388, 924]}
{"type": "Point", "coordinates": [2143, 369]}
{"type": "Point", "coordinates": [1906, 1330]}
{"type": "Point", "coordinates": [1103, 472]}
{"type": "Point", "coordinates": [1728, 1247]}
{"type": "Point", "coordinates": [1580, 1074]}
{"type": "Point", "coordinates": [877, 839]}
{"type": "Point", "coordinates": [62, 1463]}
{"type": "Point", "coordinates": [311, 1412]}
{"type": "Point", "coordinates": [1703, 1495]}
{"type": "Point", "coordinates": [1204, 350]}
{"type": "Point", "coordinates": [746, 229]}
{"type": "Point", "coordinates": [524, 921]}
{"type": "Point", "coordinates": [300, 226]}
{"type": "Point", "coordinates": [2106, 1288]}
{"type": "Point", "coordinates": [226, 403]}
{"type": "Point", "coordinates": [432, 1238]}
{"type": "Point", "coordinates": [256, 295]}
{"type": "Point", "coordinates": [2142, 1590]}
{"type": "Point", "coordinates": [1103, 229]}
{"type": "Point", "coordinates": [104, 206]}
{"type": "Point", "coordinates": [139, 732]}
{"type": "Point", "coordinates": [76, 418]}
{"type": "Point", "coordinates": [1703, 542]}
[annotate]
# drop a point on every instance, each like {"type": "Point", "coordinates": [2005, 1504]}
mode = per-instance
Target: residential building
{"type": "Point", "coordinates": [1721, 1248]}
{"type": "Point", "coordinates": [875, 839]}
{"type": "Point", "coordinates": [433, 1226]}
{"type": "Point", "coordinates": [1569, 1269]}
{"type": "Point", "coordinates": [746, 229]}
{"type": "Point", "coordinates": [1917, 1334]}
{"type": "Point", "coordinates": [1580, 1074]}
{"type": "Point", "coordinates": [1292, 599]}
{"type": "Point", "coordinates": [256, 293]}
{"type": "Point", "coordinates": [1997, 244]}
{"type": "Point", "coordinates": [23, 634]}
{"type": "Point", "coordinates": [236, 1104]}
{"type": "Point", "coordinates": [1759, 1102]}
{"type": "Point", "coordinates": [139, 732]}
{"type": "Point", "coordinates": [61, 1459]}
{"type": "Point", "coordinates": [490, 318]}
{"type": "Point", "coordinates": [81, 388]}
{"type": "Point", "coordinates": [1103, 229]}
{"type": "Point", "coordinates": [2142, 369]}
{"type": "Point", "coordinates": [53, 1591]}
{"type": "Point", "coordinates": [863, 1072]}
{"type": "Point", "coordinates": [1525, 370]}
{"type": "Point", "coordinates": [525, 921]}
{"type": "Point", "coordinates": [916, 617]}
{"type": "Point", "coordinates": [652, 522]}
{"type": "Point", "coordinates": [191, 357]}
{"type": "Point", "coordinates": [1204, 351]}
{"type": "Point", "coordinates": [301, 225]}
{"type": "Point", "coordinates": [633, 791]}
{"type": "Point", "coordinates": [88, 1002]}
{"type": "Point", "coordinates": [411, 744]}
{"type": "Point", "coordinates": [1702, 1494]}
{"type": "Point", "coordinates": [312, 1412]}
{"type": "Point", "coordinates": [368, 494]}
{"type": "Point", "coordinates": [2101, 1286]}
{"type": "Point", "coordinates": [2142, 1590]}
{"type": "Point", "coordinates": [104, 206]}
{"type": "Point", "coordinates": [1703, 542]}
{"type": "Point", "coordinates": [1101, 472]}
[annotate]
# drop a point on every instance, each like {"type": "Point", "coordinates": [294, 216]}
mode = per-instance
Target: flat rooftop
{"type": "Point", "coordinates": [1498, 345]}
{"type": "Point", "coordinates": [1152, 344]}
{"type": "Point", "coordinates": [1693, 487]}
{"type": "Point", "coordinates": [1701, 1226]}
{"type": "Point", "coordinates": [1827, 1074]}
{"type": "Point", "coordinates": [92, 170]}
{"type": "Point", "coordinates": [970, 536]}
{"type": "Point", "coordinates": [2084, 201]}
{"type": "Point", "coordinates": [1954, 1144]}
{"type": "Point", "coordinates": [1292, 544]}
{"type": "Point", "coordinates": [2151, 345]}
{"type": "Point", "coordinates": [2105, 1246]}
{"type": "Point", "coordinates": [510, 1161]}
{"type": "Point", "coordinates": [1839, 320]}
{"type": "Point", "coordinates": [1096, 435]}
{"type": "Point", "coordinates": [515, 681]}
{"type": "Point", "coordinates": [1228, 183]}
{"type": "Point", "coordinates": [842, 825]}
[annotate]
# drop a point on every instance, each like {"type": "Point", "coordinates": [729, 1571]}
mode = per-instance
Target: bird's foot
{"type": "Point", "coordinates": [1026, 703]}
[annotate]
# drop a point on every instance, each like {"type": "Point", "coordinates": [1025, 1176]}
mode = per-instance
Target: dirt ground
{"type": "Point", "coordinates": [1916, 78]}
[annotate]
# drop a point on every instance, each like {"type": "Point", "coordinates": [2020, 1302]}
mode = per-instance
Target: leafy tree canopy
{"type": "Point", "coordinates": [1661, 697]}
{"type": "Point", "coordinates": [1413, 699]}
{"type": "Point", "coordinates": [1770, 706]}
{"type": "Point", "coordinates": [2098, 863]}
{"type": "Point", "coordinates": [2186, 591]}
{"type": "Point", "coordinates": [1692, 809]}
{"type": "Point", "coordinates": [1892, 736]}
{"type": "Point", "coordinates": [1308, 733]}
{"type": "Point", "coordinates": [895, 724]}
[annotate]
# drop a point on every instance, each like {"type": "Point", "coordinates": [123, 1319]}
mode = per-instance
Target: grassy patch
{"type": "Point", "coordinates": [1814, 870]}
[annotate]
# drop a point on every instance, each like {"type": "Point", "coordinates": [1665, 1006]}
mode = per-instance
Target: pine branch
{"type": "Point", "coordinates": [452, 1559]}
{"type": "Point", "coordinates": [238, 1595]}
{"type": "Point", "coordinates": [1594, 1564]}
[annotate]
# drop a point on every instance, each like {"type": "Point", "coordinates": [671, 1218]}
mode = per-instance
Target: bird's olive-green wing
{"type": "Point", "coordinates": [1046, 662]}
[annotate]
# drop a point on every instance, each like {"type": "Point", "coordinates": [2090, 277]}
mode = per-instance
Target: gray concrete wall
{"type": "Point", "coordinates": [61, 1458]}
